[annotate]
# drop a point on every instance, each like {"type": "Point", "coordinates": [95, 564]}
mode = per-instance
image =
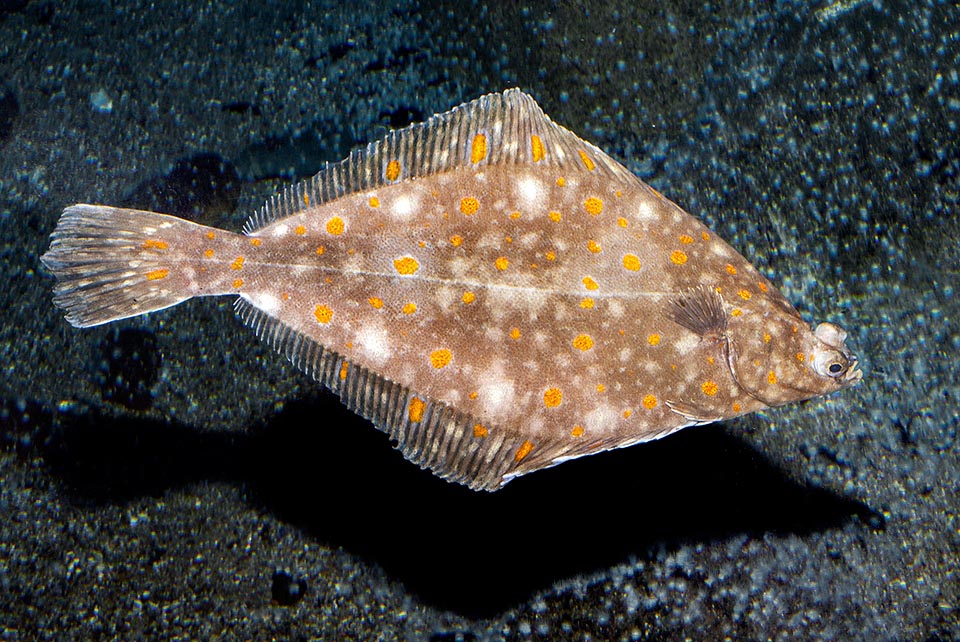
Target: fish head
{"type": "Point", "coordinates": [787, 360]}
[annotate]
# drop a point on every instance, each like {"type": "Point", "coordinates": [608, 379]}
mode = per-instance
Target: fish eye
{"type": "Point", "coordinates": [831, 363]}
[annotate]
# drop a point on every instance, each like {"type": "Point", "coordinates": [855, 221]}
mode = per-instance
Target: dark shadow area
{"type": "Point", "coordinates": [322, 468]}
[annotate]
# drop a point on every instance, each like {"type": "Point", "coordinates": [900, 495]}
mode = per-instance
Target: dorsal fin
{"type": "Point", "coordinates": [511, 128]}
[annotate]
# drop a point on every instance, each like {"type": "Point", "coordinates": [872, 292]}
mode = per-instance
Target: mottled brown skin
{"type": "Point", "coordinates": [527, 281]}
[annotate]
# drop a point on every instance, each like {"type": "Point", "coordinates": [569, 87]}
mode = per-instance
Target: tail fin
{"type": "Point", "coordinates": [112, 263]}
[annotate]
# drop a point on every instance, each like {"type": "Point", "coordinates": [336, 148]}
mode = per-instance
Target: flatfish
{"type": "Point", "coordinates": [493, 292]}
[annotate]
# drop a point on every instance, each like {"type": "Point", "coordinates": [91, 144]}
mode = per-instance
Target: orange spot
{"type": "Point", "coordinates": [344, 368]}
{"type": "Point", "coordinates": [593, 246]}
{"type": "Point", "coordinates": [416, 410]}
{"type": "Point", "coordinates": [711, 360]}
{"type": "Point", "coordinates": [440, 358]}
{"type": "Point", "coordinates": [577, 431]}
{"type": "Point", "coordinates": [536, 148]}
{"type": "Point", "coordinates": [762, 286]}
{"type": "Point", "coordinates": [561, 181]}
{"type": "Point", "coordinates": [502, 263]}
{"type": "Point", "coordinates": [649, 402]}
{"type": "Point", "coordinates": [478, 148]}
{"type": "Point", "coordinates": [771, 377]}
{"type": "Point", "coordinates": [479, 430]}
{"type": "Point", "coordinates": [766, 337]}
{"type": "Point", "coordinates": [284, 296]}
{"type": "Point", "coordinates": [653, 339]}
{"type": "Point", "coordinates": [374, 201]}
{"type": "Point", "coordinates": [306, 200]}
{"type": "Point", "coordinates": [744, 294]}
{"type": "Point", "coordinates": [514, 215]}
{"type": "Point", "coordinates": [550, 256]}
{"type": "Point", "coordinates": [586, 303]}
{"type": "Point", "coordinates": [586, 160]}
{"type": "Point", "coordinates": [730, 269]}
{"type": "Point", "coordinates": [800, 356]}
{"type": "Point", "coordinates": [335, 226]}
{"type": "Point", "coordinates": [583, 342]}
{"type": "Point", "coordinates": [469, 205]}
{"type": "Point", "coordinates": [301, 230]}
{"type": "Point", "coordinates": [618, 193]}
{"type": "Point", "coordinates": [709, 388]}
{"type": "Point", "coordinates": [237, 284]}
{"type": "Point", "coordinates": [627, 413]}
{"type": "Point", "coordinates": [593, 206]}
{"type": "Point", "coordinates": [704, 236]}
{"type": "Point", "coordinates": [323, 314]}
{"type": "Point", "coordinates": [622, 222]}
{"type": "Point", "coordinates": [208, 254]}
{"type": "Point", "coordinates": [321, 250]}
{"type": "Point", "coordinates": [468, 297]}
{"type": "Point", "coordinates": [237, 263]}
{"type": "Point", "coordinates": [589, 283]}
{"type": "Point", "coordinates": [255, 242]}
{"type": "Point", "coordinates": [736, 312]}
{"type": "Point", "coordinates": [736, 407]}
{"type": "Point", "coordinates": [552, 397]}
{"type": "Point", "coordinates": [393, 170]}
{"type": "Point", "coordinates": [686, 239]}
{"type": "Point", "coordinates": [555, 216]}
{"type": "Point", "coordinates": [155, 275]}
{"type": "Point", "coordinates": [474, 394]}
{"type": "Point", "coordinates": [508, 239]}
{"type": "Point", "coordinates": [211, 235]}
{"type": "Point", "coordinates": [156, 244]}
{"type": "Point", "coordinates": [456, 240]}
{"type": "Point", "coordinates": [515, 333]}
{"type": "Point", "coordinates": [631, 262]}
{"type": "Point", "coordinates": [678, 257]}
{"type": "Point", "coordinates": [601, 388]}
{"type": "Point", "coordinates": [523, 451]}
{"type": "Point", "coordinates": [375, 302]}
{"type": "Point", "coordinates": [406, 265]}
{"type": "Point", "coordinates": [409, 308]}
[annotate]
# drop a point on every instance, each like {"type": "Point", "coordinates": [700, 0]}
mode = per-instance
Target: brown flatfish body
{"type": "Point", "coordinates": [495, 293]}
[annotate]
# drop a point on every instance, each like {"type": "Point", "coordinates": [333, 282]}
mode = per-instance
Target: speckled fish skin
{"type": "Point", "coordinates": [493, 292]}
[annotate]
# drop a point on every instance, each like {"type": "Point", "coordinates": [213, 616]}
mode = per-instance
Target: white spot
{"type": "Point", "coordinates": [530, 191]}
{"type": "Point", "coordinates": [601, 418]}
{"type": "Point", "coordinates": [686, 343]}
{"type": "Point", "coordinates": [403, 206]}
{"type": "Point", "coordinates": [266, 302]}
{"type": "Point", "coordinates": [280, 230]}
{"type": "Point", "coordinates": [625, 355]}
{"type": "Point", "coordinates": [374, 342]}
{"type": "Point", "coordinates": [497, 395]}
{"type": "Point", "coordinates": [614, 308]}
{"type": "Point", "coordinates": [645, 212]}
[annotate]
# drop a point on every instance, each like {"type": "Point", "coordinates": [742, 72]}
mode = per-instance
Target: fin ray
{"type": "Point", "coordinates": [441, 143]}
{"type": "Point", "coordinates": [104, 271]}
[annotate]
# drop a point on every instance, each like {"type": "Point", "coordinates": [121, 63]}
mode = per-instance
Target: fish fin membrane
{"type": "Point", "coordinates": [110, 265]}
{"type": "Point", "coordinates": [429, 433]}
{"type": "Point", "coordinates": [508, 121]}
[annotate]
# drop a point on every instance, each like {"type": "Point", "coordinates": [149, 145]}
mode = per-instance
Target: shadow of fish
{"type": "Point", "coordinates": [495, 293]}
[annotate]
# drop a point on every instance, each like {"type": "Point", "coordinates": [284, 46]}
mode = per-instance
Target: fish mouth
{"type": "Point", "coordinates": [854, 374]}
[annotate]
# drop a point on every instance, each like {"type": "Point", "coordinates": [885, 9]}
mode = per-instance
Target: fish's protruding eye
{"type": "Point", "coordinates": [831, 363]}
